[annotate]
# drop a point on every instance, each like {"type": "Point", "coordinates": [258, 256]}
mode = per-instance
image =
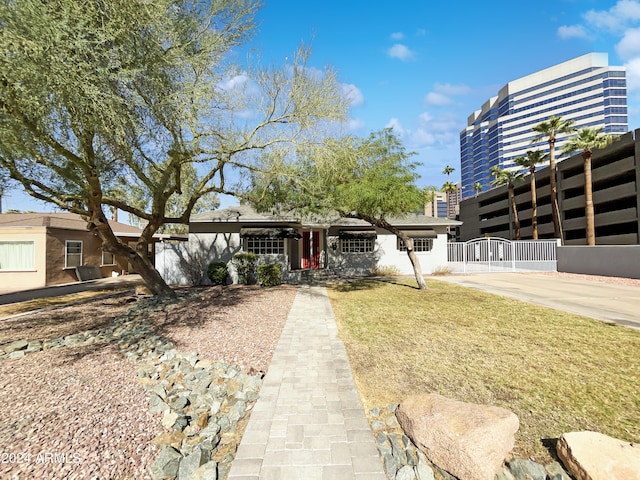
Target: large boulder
{"type": "Point", "coordinates": [467, 440]}
{"type": "Point", "coordinates": [594, 456]}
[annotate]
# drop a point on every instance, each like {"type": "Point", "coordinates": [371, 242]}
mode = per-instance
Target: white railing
{"type": "Point", "coordinates": [492, 254]}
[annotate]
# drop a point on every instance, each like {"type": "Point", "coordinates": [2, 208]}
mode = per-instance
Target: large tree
{"type": "Point", "coordinates": [587, 140]}
{"type": "Point", "coordinates": [509, 178]}
{"type": "Point", "coordinates": [371, 179]}
{"type": "Point", "coordinates": [550, 129]}
{"type": "Point", "coordinates": [533, 158]}
{"type": "Point", "coordinates": [99, 95]}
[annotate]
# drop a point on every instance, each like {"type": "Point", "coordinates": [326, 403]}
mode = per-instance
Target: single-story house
{"type": "Point", "coordinates": [42, 249]}
{"type": "Point", "coordinates": [343, 246]}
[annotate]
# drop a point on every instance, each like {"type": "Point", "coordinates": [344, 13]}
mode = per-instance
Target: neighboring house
{"type": "Point", "coordinates": [40, 249]}
{"type": "Point", "coordinates": [344, 246]}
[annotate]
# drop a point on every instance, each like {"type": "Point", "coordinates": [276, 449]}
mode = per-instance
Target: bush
{"type": "Point", "coordinates": [442, 271]}
{"type": "Point", "coordinates": [245, 264]}
{"type": "Point", "coordinates": [218, 273]}
{"type": "Point", "coordinates": [270, 274]}
{"type": "Point", "coordinates": [384, 271]}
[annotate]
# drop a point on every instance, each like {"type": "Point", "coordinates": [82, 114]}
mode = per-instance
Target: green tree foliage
{"type": "Point", "coordinates": [137, 106]}
{"type": "Point", "coordinates": [509, 178]}
{"type": "Point", "coordinates": [585, 142]}
{"type": "Point", "coordinates": [371, 179]}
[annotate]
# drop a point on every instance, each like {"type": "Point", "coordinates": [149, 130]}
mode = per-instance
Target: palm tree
{"type": "Point", "coordinates": [509, 177]}
{"type": "Point", "coordinates": [448, 170]}
{"type": "Point", "coordinates": [449, 188]}
{"type": "Point", "coordinates": [586, 141]}
{"type": "Point", "coordinates": [550, 130]}
{"type": "Point", "coordinates": [533, 158]}
{"type": "Point", "coordinates": [477, 187]}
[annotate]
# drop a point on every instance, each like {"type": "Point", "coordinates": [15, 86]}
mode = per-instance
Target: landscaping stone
{"type": "Point", "coordinates": [191, 463]}
{"type": "Point", "coordinates": [406, 473]}
{"type": "Point", "coordinates": [15, 346]}
{"type": "Point", "coordinates": [527, 470]}
{"type": "Point", "coordinates": [594, 456]}
{"type": "Point", "coordinates": [467, 440]}
{"type": "Point", "coordinates": [556, 472]}
{"type": "Point", "coordinates": [208, 471]}
{"type": "Point", "coordinates": [166, 465]}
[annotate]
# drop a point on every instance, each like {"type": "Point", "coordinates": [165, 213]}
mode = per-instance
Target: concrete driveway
{"type": "Point", "coordinates": [608, 302]}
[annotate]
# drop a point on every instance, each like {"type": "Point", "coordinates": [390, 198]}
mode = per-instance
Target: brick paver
{"type": "Point", "coordinates": [308, 422]}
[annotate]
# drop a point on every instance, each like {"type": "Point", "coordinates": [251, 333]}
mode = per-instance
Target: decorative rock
{"type": "Point", "coordinates": [423, 471]}
{"type": "Point", "coordinates": [556, 472]}
{"type": "Point", "coordinates": [594, 456]}
{"type": "Point", "coordinates": [166, 465]}
{"type": "Point", "coordinates": [208, 471]}
{"type": "Point", "coordinates": [190, 464]}
{"type": "Point", "coordinates": [527, 470]}
{"type": "Point", "coordinates": [469, 441]}
{"type": "Point", "coordinates": [505, 474]}
{"type": "Point", "coordinates": [168, 419]}
{"type": "Point", "coordinates": [15, 346]}
{"type": "Point", "coordinates": [173, 439]}
{"type": "Point", "coordinates": [17, 354]}
{"type": "Point", "coordinates": [406, 473]}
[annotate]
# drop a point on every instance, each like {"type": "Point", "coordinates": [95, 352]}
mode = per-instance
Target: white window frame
{"type": "Point", "coordinates": [66, 253]}
{"type": "Point", "coordinates": [264, 245]}
{"type": "Point", "coordinates": [357, 245]}
{"type": "Point", "coordinates": [420, 245]}
{"type": "Point", "coordinates": [104, 263]}
{"type": "Point", "coordinates": [32, 266]}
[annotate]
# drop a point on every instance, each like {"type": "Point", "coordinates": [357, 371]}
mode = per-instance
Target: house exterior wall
{"type": "Point", "coordinates": [386, 253]}
{"type": "Point", "coordinates": [23, 280]}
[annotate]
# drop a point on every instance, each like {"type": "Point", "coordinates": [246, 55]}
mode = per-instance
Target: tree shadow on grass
{"type": "Point", "coordinates": [368, 284]}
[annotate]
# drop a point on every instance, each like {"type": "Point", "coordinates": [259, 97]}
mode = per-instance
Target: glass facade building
{"type": "Point", "coordinates": [585, 89]}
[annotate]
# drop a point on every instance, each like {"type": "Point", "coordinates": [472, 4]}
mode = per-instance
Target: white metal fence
{"type": "Point", "coordinates": [500, 255]}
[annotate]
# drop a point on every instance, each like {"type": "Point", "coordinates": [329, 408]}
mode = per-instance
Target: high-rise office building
{"type": "Point", "coordinates": [585, 89]}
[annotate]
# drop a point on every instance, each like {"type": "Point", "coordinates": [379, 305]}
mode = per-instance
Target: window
{"type": "Point", "coordinates": [108, 258]}
{"type": "Point", "coordinates": [356, 245]}
{"type": "Point", "coordinates": [72, 254]}
{"type": "Point", "coordinates": [264, 245]}
{"type": "Point", "coordinates": [19, 255]}
{"type": "Point", "coordinates": [419, 245]}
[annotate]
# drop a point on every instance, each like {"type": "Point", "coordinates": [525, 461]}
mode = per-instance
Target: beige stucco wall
{"type": "Point", "coordinates": [22, 280]}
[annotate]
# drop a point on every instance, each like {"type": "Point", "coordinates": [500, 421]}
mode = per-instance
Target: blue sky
{"type": "Point", "coordinates": [422, 67]}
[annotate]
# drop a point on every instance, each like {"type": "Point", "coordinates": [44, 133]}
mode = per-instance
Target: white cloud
{"type": "Point", "coordinates": [397, 36]}
{"type": "Point", "coordinates": [440, 131]}
{"type": "Point", "coordinates": [354, 124]}
{"type": "Point", "coordinates": [633, 75]}
{"type": "Point", "coordinates": [397, 127]}
{"type": "Point", "coordinates": [629, 47]}
{"type": "Point", "coordinates": [401, 52]}
{"type": "Point", "coordinates": [437, 99]}
{"type": "Point", "coordinates": [352, 94]}
{"type": "Point", "coordinates": [236, 82]}
{"type": "Point", "coordinates": [442, 94]}
{"type": "Point", "coordinates": [572, 31]}
{"type": "Point", "coordinates": [622, 14]}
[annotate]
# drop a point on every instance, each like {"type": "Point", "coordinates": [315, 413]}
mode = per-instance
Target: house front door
{"type": "Point", "coordinates": [311, 249]}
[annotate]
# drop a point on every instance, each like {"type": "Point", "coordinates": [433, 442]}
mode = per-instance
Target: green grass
{"type": "Point", "coordinates": [558, 372]}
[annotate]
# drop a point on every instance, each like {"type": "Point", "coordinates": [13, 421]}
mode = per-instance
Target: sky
{"type": "Point", "coordinates": [422, 67]}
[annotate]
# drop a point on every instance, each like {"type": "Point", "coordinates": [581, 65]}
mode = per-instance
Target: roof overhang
{"type": "Point", "coordinates": [426, 233]}
{"type": "Point", "coordinates": [346, 234]}
{"type": "Point", "coordinates": [274, 232]}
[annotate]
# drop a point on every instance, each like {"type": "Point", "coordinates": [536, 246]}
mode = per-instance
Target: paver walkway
{"type": "Point", "coordinates": [308, 422]}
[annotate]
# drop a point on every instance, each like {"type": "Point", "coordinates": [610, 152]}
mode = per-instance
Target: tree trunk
{"type": "Point", "coordinates": [138, 258]}
{"type": "Point", "coordinates": [408, 241]}
{"type": "Point", "coordinates": [555, 209]}
{"type": "Point", "coordinates": [514, 209]}
{"type": "Point", "coordinates": [534, 205]}
{"type": "Point", "coordinates": [589, 213]}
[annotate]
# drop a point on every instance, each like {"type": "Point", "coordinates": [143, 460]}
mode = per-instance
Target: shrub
{"type": "Point", "coordinates": [442, 271]}
{"type": "Point", "coordinates": [270, 274]}
{"type": "Point", "coordinates": [245, 264]}
{"type": "Point", "coordinates": [384, 271]}
{"type": "Point", "coordinates": [218, 273]}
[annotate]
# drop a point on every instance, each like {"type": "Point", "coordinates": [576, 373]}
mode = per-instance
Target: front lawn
{"type": "Point", "coordinates": [558, 372]}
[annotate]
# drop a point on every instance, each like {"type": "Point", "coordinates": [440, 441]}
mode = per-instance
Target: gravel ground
{"type": "Point", "coordinates": [79, 412]}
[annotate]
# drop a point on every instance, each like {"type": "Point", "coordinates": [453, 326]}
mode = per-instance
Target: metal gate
{"type": "Point", "coordinates": [493, 254]}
